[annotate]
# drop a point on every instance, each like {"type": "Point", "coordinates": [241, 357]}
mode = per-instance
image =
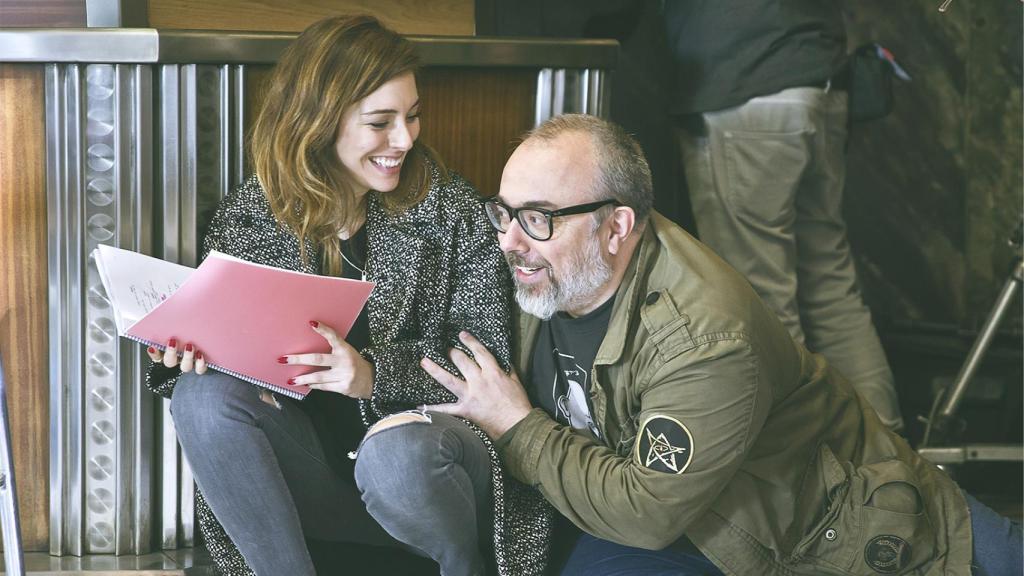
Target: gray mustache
{"type": "Point", "coordinates": [517, 260]}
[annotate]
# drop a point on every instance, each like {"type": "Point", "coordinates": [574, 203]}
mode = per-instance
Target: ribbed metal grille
{"type": "Point", "coordinates": [136, 162]}
{"type": "Point", "coordinates": [570, 91]}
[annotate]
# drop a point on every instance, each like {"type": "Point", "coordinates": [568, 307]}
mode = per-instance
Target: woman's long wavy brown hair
{"type": "Point", "coordinates": [330, 67]}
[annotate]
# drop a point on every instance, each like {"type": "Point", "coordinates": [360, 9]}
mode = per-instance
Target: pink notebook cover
{"type": "Point", "coordinates": [244, 316]}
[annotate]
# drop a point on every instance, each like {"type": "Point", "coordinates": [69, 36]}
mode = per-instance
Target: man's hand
{"type": "Point", "coordinates": [488, 397]}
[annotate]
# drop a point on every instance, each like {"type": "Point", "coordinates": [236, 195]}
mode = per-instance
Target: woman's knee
{"type": "Point", "coordinates": [411, 448]}
{"type": "Point", "coordinates": [396, 444]}
{"type": "Point", "coordinates": [412, 417]}
{"type": "Point", "coordinates": [421, 436]}
{"type": "Point", "coordinates": [200, 404]}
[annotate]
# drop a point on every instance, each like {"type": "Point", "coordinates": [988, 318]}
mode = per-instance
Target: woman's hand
{"type": "Point", "coordinates": [347, 371]}
{"type": "Point", "coordinates": [191, 357]}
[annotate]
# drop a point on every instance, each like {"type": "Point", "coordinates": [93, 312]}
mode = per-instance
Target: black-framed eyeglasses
{"type": "Point", "coordinates": [536, 222]}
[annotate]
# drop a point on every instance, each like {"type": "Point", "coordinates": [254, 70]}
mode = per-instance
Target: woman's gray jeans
{"type": "Point", "coordinates": [424, 485]}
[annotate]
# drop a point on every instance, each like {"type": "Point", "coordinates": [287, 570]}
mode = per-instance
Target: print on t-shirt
{"type": "Point", "coordinates": [561, 376]}
{"type": "Point", "coordinates": [568, 392]}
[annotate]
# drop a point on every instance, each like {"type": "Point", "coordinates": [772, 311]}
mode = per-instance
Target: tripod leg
{"type": "Point", "coordinates": [981, 344]}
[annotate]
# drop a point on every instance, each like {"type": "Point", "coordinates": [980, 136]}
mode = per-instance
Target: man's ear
{"type": "Point", "coordinates": [621, 224]}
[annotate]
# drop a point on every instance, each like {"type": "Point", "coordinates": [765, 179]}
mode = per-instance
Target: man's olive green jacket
{"type": "Point", "coordinates": [715, 425]}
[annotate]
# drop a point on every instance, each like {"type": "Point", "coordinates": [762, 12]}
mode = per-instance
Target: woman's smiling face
{"type": "Point", "coordinates": [377, 132]}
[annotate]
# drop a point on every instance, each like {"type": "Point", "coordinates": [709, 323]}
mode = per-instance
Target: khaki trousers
{"type": "Point", "coordinates": [766, 183]}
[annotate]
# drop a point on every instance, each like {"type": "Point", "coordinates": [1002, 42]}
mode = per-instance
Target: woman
{"type": "Point", "coordinates": [342, 187]}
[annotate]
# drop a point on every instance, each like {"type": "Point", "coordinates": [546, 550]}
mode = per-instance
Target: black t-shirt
{"type": "Point", "coordinates": [572, 344]}
{"type": "Point", "coordinates": [563, 357]}
{"type": "Point", "coordinates": [336, 416]}
{"type": "Point", "coordinates": [352, 268]}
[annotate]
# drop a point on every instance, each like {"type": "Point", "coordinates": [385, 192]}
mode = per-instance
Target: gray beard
{"type": "Point", "coordinates": [583, 276]}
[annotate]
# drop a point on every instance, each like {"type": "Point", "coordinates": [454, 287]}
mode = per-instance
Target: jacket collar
{"type": "Point", "coordinates": [626, 299]}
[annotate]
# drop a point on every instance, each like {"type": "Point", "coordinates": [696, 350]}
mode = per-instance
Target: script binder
{"type": "Point", "coordinates": [242, 316]}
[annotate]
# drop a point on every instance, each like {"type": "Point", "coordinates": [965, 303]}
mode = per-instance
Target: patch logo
{"type": "Point", "coordinates": [887, 554]}
{"type": "Point", "coordinates": [664, 444]}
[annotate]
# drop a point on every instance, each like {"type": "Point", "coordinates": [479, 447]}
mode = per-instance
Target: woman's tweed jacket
{"type": "Point", "coordinates": [437, 270]}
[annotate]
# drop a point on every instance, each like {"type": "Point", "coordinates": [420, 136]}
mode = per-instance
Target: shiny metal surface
{"type": "Point", "coordinates": [104, 193]}
{"type": "Point", "coordinates": [597, 95]}
{"type": "Point", "coordinates": [103, 13]}
{"type": "Point", "coordinates": [64, 248]}
{"type": "Point", "coordinates": [203, 174]}
{"type": "Point", "coordinates": [99, 174]}
{"type": "Point", "coordinates": [96, 45]}
{"type": "Point", "coordinates": [973, 453]}
{"type": "Point", "coordinates": [189, 169]}
{"type": "Point", "coordinates": [543, 95]}
{"type": "Point", "coordinates": [201, 123]}
{"type": "Point", "coordinates": [567, 91]}
{"type": "Point", "coordinates": [134, 231]}
{"type": "Point", "coordinates": [238, 113]}
{"type": "Point", "coordinates": [54, 105]}
{"type": "Point", "coordinates": [1004, 300]}
{"type": "Point", "coordinates": [150, 46]}
{"type": "Point", "coordinates": [168, 164]}
{"type": "Point", "coordinates": [204, 47]}
{"type": "Point", "coordinates": [167, 488]}
{"type": "Point", "coordinates": [116, 13]}
{"type": "Point", "coordinates": [221, 145]}
{"type": "Point", "coordinates": [170, 563]}
{"type": "Point", "coordinates": [187, 497]}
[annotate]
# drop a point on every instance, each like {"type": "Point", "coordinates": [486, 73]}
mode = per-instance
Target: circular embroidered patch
{"type": "Point", "coordinates": [887, 554]}
{"type": "Point", "coordinates": [664, 444]}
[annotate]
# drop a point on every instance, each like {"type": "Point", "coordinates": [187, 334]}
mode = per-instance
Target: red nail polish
{"type": "Point", "coordinates": [282, 360]}
{"type": "Point", "coordinates": [151, 350]}
{"type": "Point", "coordinates": [291, 381]}
{"type": "Point", "coordinates": [314, 323]}
{"type": "Point", "coordinates": [173, 343]}
{"type": "Point", "coordinates": [188, 347]}
{"type": "Point", "coordinates": [199, 355]}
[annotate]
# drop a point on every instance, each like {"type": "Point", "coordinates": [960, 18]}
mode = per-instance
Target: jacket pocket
{"type": "Point", "coordinates": [877, 525]}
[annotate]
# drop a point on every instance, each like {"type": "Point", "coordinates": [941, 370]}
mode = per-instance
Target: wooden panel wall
{"type": "Point", "coordinates": [42, 13]}
{"type": "Point", "coordinates": [437, 17]}
{"type": "Point", "coordinates": [23, 290]}
{"type": "Point", "coordinates": [472, 116]}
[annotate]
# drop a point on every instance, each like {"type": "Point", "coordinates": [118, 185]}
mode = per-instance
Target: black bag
{"type": "Point", "coordinates": [871, 70]}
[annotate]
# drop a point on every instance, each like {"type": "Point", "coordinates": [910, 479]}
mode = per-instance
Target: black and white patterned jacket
{"type": "Point", "coordinates": [438, 270]}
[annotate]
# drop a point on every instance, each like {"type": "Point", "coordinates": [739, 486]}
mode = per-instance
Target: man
{"type": "Point", "coordinates": [760, 93]}
{"type": "Point", "coordinates": [677, 422]}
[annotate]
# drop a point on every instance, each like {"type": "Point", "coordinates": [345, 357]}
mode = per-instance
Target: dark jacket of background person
{"type": "Point", "coordinates": [729, 51]}
{"type": "Point", "coordinates": [789, 471]}
{"type": "Point", "coordinates": [438, 270]}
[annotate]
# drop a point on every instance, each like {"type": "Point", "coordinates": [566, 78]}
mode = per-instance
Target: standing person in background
{"type": "Point", "coordinates": [760, 94]}
{"type": "Point", "coordinates": [343, 187]}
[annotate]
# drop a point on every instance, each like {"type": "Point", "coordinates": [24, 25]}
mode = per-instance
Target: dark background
{"type": "Point", "coordinates": [934, 190]}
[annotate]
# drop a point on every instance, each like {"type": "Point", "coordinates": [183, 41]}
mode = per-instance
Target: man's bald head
{"type": "Point", "coordinates": [620, 168]}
